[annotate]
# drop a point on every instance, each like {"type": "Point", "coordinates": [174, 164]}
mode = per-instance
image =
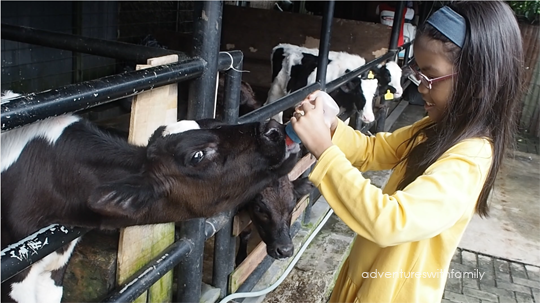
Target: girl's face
{"type": "Point", "coordinates": [432, 62]}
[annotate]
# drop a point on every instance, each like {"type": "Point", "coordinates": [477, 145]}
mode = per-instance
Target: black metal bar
{"type": "Point", "coordinates": [190, 268]}
{"type": "Point", "coordinates": [36, 106]}
{"type": "Point", "coordinates": [396, 26]}
{"type": "Point", "coordinates": [231, 105]}
{"type": "Point", "coordinates": [406, 54]}
{"type": "Point", "coordinates": [224, 242]}
{"type": "Point", "coordinates": [281, 104]}
{"type": "Point", "coordinates": [18, 256]}
{"type": "Point", "coordinates": [202, 92]}
{"type": "Point", "coordinates": [206, 40]}
{"type": "Point", "coordinates": [93, 46]}
{"type": "Point", "coordinates": [152, 272]}
{"type": "Point", "coordinates": [223, 263]}
{"type": "Point", "coordinates": [224, 60]}
{"type": "Point", "coordinates": [324, 43]}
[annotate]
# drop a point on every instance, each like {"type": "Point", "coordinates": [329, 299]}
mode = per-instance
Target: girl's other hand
{"type": "Point", "coordinates": [308, 123]}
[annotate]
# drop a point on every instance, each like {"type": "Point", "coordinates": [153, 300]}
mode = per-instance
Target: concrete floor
{"type": "Point", "coordinates": [512, 230]}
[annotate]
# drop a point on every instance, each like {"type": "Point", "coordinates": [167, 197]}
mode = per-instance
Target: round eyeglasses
{"type": "Point", "coordinates": [417, 77]}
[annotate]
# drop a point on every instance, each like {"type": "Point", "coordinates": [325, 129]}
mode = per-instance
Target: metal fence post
{"type": "Point", "coordinates": [324, 44]}
{"type": "Point", "coordinates": [324, 48]}
{"type": "Point", "coordinates": [224, 242]}
{"type": "Point", "coordinates": [201, 104]}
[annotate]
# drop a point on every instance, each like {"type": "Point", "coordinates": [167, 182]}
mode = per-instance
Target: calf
{"type": "Point", "coordinates": [294, 67]}
{"type": "Point", "coordinates": [248, 102]}
{"type": "Point", "coordinates": [270, 212]}
{"type": "Point", "coordinates": [389, 78]}
{"type": "Point", "coordinates": [66, 170]}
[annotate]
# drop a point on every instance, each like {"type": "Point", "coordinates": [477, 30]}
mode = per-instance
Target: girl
{"type": "Point", "coordinates": [468, 61]}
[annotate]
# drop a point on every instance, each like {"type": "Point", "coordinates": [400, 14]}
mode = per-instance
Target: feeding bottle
{"type": "Point", "coordinates": [330, 110]}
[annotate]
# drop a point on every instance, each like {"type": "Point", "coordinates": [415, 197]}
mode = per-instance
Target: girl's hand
{"type": "Point", "coordinates": [308, 123]}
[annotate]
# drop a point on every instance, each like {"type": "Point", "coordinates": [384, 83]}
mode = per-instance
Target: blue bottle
{"type": "Point", "coordinates": [330, 110]}
{"type": "Point", "coordinates": [289, 130]}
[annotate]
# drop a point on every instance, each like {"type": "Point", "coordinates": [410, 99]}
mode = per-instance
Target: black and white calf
{"type": "Point", "coordinates": [66, 170]}
{"type": "Point", "coordinates": [294, 67]}
{"type": "Point", "coordinates": [389, 77]}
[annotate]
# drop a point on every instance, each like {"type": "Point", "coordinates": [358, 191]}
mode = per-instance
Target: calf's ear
{"type": "Point", "coordinates": [130, 197]}
{"type": "Point", "coordinates": [302, 186]}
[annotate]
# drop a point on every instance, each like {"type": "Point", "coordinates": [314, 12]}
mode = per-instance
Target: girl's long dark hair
{"type": "Point", "coordinates": [486, 92]}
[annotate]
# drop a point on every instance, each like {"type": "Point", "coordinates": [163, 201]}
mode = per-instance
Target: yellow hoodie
{"type": "Point", "coordinates": [405, 239]}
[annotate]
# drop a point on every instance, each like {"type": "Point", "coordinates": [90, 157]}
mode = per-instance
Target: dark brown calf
{"type": "Point", "coordinates": [270, 212]}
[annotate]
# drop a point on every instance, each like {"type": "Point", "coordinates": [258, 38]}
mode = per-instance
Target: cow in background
{"type": "Point", "coordinates": [294, 67]}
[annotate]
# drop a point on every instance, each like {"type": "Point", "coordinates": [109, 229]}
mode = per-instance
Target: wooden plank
{"type": "Point", "coordinates": [302, 165]}
{"type": "Point", "coordinates": [242, 272]}
{"type": "Point", "coordinates": [240, 222]}
{"type": "Point", "coordinates": [139, 244]}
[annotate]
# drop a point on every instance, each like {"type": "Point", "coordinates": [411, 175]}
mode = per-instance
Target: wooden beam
{"type": "Point", "coordinates": [140, 244]}
{"type": "Point", "coordinates": [302, 165]}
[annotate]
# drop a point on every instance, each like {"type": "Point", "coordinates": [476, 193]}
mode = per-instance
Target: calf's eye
{"type": "Point", "coordinates": [197, 157]}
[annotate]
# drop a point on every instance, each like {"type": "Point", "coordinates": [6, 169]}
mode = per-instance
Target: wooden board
{"type": "Point", "coordinates": [139, 244]}
{"type": "Point", "coordinates": [243, 28]}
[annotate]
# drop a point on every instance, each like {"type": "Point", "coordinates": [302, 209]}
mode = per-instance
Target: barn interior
{"type": "Point", "coordinates": [252, 27]}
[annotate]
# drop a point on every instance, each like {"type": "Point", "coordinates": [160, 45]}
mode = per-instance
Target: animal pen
{"type": "Point", "coordinates": [155, 81]}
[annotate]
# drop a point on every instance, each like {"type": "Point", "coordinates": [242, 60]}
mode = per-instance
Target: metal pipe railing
{"type": "Point", "coordinates": [396, 26]}
{"type": "Point", "coordinates": [324, 43]}
{"type": "Point", "coordinates": [87, 45]}
{"type": "Point", "coordinates": [18, 256]}
{"type": "Point", "coordinates": [71, 98]}
{"type": "Point", "coordinates": [279, 105]}
{"type": "Point", "coordinates": [206, 39]}
{"type": "Point", "coordinates": [224, 242]}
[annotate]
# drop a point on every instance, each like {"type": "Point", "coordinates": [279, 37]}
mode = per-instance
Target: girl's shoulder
{"type": "Point", "coordinates": [474, 148]}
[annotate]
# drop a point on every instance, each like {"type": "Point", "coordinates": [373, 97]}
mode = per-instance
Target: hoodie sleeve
{"type": "Point", "coordinates": [378, 152]}
{"type": "Point", "coordinates": [432, 203]}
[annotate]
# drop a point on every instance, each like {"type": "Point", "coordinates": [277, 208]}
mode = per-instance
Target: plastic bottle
{"type": "Point", "coordinates": [330, 110]}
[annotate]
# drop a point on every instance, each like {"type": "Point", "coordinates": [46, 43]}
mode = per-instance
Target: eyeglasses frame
{"type": "Point", "coordinates": [425, 80]}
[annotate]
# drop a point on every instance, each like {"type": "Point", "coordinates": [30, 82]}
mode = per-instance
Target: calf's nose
{"type": "Point", "coordinates": [285, 251]}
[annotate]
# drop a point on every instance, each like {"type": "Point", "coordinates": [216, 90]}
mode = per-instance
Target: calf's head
{"type": "Point", "coordinates": [389, 76]}
{"type": "Point", "coordinates": [271, 212]}
{"type": "Point", "coordinates": [198, 169]}
{"type": "Point", "coordinates": [360, 92]}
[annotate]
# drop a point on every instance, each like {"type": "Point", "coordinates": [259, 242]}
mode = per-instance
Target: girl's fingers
{"type": "Point", "coordinates": [308, 106]}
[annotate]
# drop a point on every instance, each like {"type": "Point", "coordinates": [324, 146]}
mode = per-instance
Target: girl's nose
{"type": "Point", "coordinates": [422, 89]}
